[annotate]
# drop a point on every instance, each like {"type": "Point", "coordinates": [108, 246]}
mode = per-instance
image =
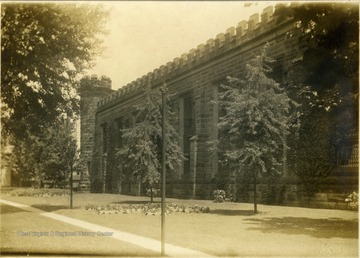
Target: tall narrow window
{"type": "Point", "coordinates": [119, 125]}
{"type": "Point", "coordinates": [89, 167]}
{"type": "Point", "coordinates": [104, 137]}
{"type": "Point", "coordinates": [346, 155]}
{"type": "Point", "coordinates": [188, 128]}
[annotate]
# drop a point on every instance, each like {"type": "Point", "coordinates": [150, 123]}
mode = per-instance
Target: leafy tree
{"type": "Point", "coordinates": [53, 156]}
{"type": "Point", "coordinates": [25, 170]}
{"type": "Point", "coordinates": [40, 44]}
{"type": "Point", "coordinates": [325, 82]}
{"type": "Point", "coordinates": [331, 33]}
{"type": "Point", "coordinates": [60, 156]}
{"type": "Point", "coordinates": [140, 153]}
{"type": "Point", "coordinates": [256, 121]}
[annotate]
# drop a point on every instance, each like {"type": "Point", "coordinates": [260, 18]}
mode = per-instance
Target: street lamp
{"type": "Point", "coordinates": [71, 71]}
{"type": "Point", "coordinates": [71, 189]}
{"type": "Point", "coordinates": [163, 162]}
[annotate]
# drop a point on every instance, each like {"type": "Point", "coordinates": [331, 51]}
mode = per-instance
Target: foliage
{"type": "Point", "coordinates": [275, 192]}
{"type": "Point", "coordinates": [154, 192]}
{"type": "Point", "coordinates": [244, 183]}
{"type": "Point", "coordinates": [256, 120]}
{"type": "Point", "coordinates": [315, 153]}
{"type": "Point", "coordinates": [31, 192]}
{"type": "Point", "coordinates": [61, 155]}
{"type": "Point", "coordinates": [219, 195]}
{"type": "Point", "coordinates": [51, 156]}
{"type": "Point", "coordinates": [223, 196]}
{"type": "Point", "coordinates": [331, 32]}
{"type": "Point", "coordinates": [353, 201]}
{"type": "Point", "coordinates": [41, 44]}
{"type": "Point", "coordinates": [140, 152]}
{"type": "Point", "coordinates": [147, 209]}
{"type": "Point", "coordinates": [26, 160]}
{"type": "Point", "coordinates": [325, 83]}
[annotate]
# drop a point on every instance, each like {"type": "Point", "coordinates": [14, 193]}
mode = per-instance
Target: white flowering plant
{"type": "Point", "coordinates": [219, 195]}
{"type": "Point", "coordinates": [353, 201]}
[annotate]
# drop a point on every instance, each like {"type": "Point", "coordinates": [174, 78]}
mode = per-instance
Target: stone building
{"type": "Point", "coordinates": [194, 79]}
{"type": "Point", "coordinates": [92, 90]}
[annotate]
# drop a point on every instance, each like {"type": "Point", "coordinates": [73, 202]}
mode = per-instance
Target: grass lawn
{"type": "Point", "coordinates": [17, 238]}
{"type": "Point", "coordinates": [230, 229]}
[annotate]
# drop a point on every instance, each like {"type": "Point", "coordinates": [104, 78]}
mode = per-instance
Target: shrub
{"type": "Point", "coordinates": [353, 201]}
{"type": "Point", "coordinates": [154, 192]}
{"type": "Point", "coordinates": [219, 195]}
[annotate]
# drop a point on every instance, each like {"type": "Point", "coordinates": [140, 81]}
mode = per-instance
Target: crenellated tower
{"type": "Point", "coordinates": [92, 89]}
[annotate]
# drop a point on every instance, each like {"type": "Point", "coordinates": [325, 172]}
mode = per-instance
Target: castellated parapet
{"type": "Point", "coordinates": [94, 81]}
{"type": "Point", "coordinates": [233, 38]}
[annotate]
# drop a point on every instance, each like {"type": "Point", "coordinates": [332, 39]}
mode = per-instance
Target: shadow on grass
{"type": "Point", "coordinates": [16, 253]}
{"type": "Point", "coordinates": [50, 208]}
{"type": "Point", "coordinates": [6, 209]}
{"type": "Point", "coordinates": [232, 212]}
{"type": "Point", "coordinates": [318, 228]}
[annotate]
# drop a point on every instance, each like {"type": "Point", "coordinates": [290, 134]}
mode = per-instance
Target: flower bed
{"type": "Point", "coordinates": [43, 192]}
{"type": "Point", "coordinates": [7, 190]}
{"type": "Point", "coordinates": [146, 209]}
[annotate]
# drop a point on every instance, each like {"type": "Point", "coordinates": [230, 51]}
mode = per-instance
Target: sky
{"type": "Point", "coordinates": [143, 35]}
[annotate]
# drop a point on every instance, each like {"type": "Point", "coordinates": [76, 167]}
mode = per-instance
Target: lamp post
{"type": "Point", "coordinates": [71, 71]}
{"type": "Point", "coordinates": [71, 188]}
{"type": "Point", "coordinates": [163, 163]}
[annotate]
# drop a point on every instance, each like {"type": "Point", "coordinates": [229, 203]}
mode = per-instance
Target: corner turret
{"type": "Point", "coordinates": [92, 90]}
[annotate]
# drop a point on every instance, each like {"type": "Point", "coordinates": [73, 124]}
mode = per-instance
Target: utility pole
{"type": "Point", "coordinates": [163, 163]}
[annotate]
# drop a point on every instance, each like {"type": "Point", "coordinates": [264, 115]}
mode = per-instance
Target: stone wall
{"type": "Point", "coordinates": [92, 89]}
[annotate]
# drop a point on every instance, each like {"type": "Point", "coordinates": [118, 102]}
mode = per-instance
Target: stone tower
{"type": "Point", "coordinates": [92, 89]}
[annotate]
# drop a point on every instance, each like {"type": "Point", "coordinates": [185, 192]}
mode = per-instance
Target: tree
{"type": "Point", "coordinates": [331, 33]}
{"type": "Point", "coordinates": [53, 156]}
{"type": "Point", "coordinates": [256, 121]}
{"type": "Point", "coordinates": [40, 43]}
{"type": "Point", "coordinates": [140, 153]}
{"type": "Point", "coordinates": [25, 170]}
{"type": "Point", "coordinates": [60, 156]}
{"type": "Point", "coordinates": [325, 82]}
